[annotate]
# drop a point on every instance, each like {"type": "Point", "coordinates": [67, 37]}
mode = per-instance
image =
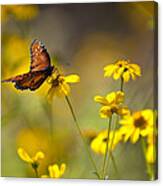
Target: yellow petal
{"type": "Point", "coordinates": [109, 69]}
{"type": "Point", "coordinates": [116, 75]}
{"type": "Point", "coordinates": [149, 116]}
{"type": "Point", "coordinates": [105, 112]}
{"type": "Point", "coordinates": [126, 76]}
{"type": "Point", "coordinates": [101, 100]}
{"type": "Point", "coordinates": [56, 172]}
{"type": "Point", "coordinates": [111, 97]}
{"type": "Point", "coordinates": [62, 168]}
{"type": "Point", "coordinates": [119, 97]}
{"type": "Point", "coordinates": [44, 176]}
{"type": "Point", "coordinates": [136, 69]}
{"type": "Point", "coordinates": [133, 75]}
{"type": "Point", "coordinates": [135, 135]}
{"type": "Point", "coordinates": [115, 97]}
{"type": "Point", "coordinates": [53, 171]}
{"type": "Point", "coordinates": [95, 145]}
{"type": "Point", "coordinates": [39, 155]}
{"type": "Point", "coordinates": [24, 156]}
{"type": "Point", "coordinates": [151, 154]}
{"type": "Point", "coordinates": [123, 111]}
{"type": "Point", "coordinates": [73, 78]}
{"type": "Point", "coordinates": [103, 148]}
{"type": "Point", "coordinates": [63, 89]}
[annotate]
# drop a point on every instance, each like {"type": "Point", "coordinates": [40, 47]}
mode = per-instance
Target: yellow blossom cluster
{"type": "Point", "coordinates": [122, 69]}
{"type": "Point", "coordinates": [54, 170]}
{"type": "Point", "coordinates": [132, 125]}
{"type": "Point", "coordinates": [59, 84]}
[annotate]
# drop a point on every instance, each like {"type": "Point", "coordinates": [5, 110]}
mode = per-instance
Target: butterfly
{"type": "Point", "coordinates": [40, 69]}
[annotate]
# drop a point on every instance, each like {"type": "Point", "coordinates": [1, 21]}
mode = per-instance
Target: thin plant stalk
{"type": "Point", "coordinates": [36, 172]}
{"type": "Point", "coordinates": [150, 168]}
{"type": "Point", "coordinates": [48, 107]}
{"type": "Point", "coordinates": [111, 154]}
{"type": "Point", "coordinates": [122, 83]}
{"type": "Point", "coordinates": [107, 147]}
{"type": "Point", "coordinates": [51, 122]}
{"type": "Point", "coordinates": [114, 164]}
{"type": "Point", "coordinates": [79, 130]}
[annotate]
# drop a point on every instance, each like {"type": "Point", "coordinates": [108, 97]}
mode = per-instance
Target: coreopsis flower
{"type": "Point", "coordinates": [59, 84]}
{"type": "Point", "coordinates": [151, 147]}
{"type": "Point", "coordinates": [122, 69]}
{"type": "Point", "coordinates": [137, 124]}
{"type": "Point", "coordinates": [34, 161]}
{"type": "Point", "coordinates": [151, 153]}
{"type": "Point", "coordinates": [112, 103]}
{"type": "Point", "coordinates": [98, 144]}
{"type": "Point", "coordinates": [55, 171]}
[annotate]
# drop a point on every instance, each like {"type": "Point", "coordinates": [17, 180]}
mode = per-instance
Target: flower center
{"type": "Point", "coordinates": [125, 69]}
{"type": "Point", "coordinates": [114, 109]}
{"type": "Point", "coordinates": [35, 165]}
{"type": "Point", "coordinates": [59, 79]}
{"type": "Point", "coordinates": [139, 121]}
{"type": "Point", "coordinates": [105, 139]}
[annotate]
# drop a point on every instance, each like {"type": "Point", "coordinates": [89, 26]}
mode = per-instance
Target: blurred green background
{"type": "Point", "coordinates": [82, 39]}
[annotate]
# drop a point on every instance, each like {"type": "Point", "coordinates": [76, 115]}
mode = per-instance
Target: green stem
{"type": "Point", "coordinates": [84, 142]}
{"type": "Point", "coordinates": [114, 164]}
{"type": "Point", "coordinates": [150, 168]}
{"type": "Point", "coordinates": [36, 172]}
{"type": "Point", "coordinates": [51, 123]}
{"type": "Point", "coordinates": [107, 147]}
{"type": "Point", "coordinates": [111, 154]}
{"type": "Point", "coordinates": [122, 83]}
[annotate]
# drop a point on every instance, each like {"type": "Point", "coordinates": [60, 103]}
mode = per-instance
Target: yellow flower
{"type": "Point", "coordinates": [60, 84]}
{"type": "Point", "coordinates": [98, 144]}
{"type": "Point", "coordinates": [55, 171]}
{"type": "Point", "coordinates": [34, 161]}
{"type": "Point", "coordinates": [19, 12]}
{"type": "Point", "coordinates": [151, 154]}
{"type": "Point", "coordinates": [112, 103]}
{"type": "Point", "coordinates": [137, 124]}
{"type": "Point", "coordinates": [151, 147]}
{"type": "Point", "coordinates": [124, 69]}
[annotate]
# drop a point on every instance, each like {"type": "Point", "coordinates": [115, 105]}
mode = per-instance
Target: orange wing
{"type": "Point", "coordinates": [40, 59]}
{"type": "Point", "coordinates": [40, 69]}
{"type": "Point", "coordinates": [31, 80]}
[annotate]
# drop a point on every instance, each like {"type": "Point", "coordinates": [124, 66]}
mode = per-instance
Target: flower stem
{"type": "Point", "coordinates": [122, 83]}
{"type": "Point", "coordinates": [79, 130]}
{"type": "Point", "coordinates": [36, 172]}
{"type": "Point", "coordinates": [150, 168]}
{"type": "Point", "coordinates": [51, 123]}
{"type": "Point", "coordinates": [111, 154]}
{"type": "Point", "coordinates": [107, 147]}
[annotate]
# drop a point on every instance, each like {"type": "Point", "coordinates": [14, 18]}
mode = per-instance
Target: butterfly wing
{"type": "Point", "coordinates": [30, 80]}
{"type": "Point", "coordinates": [40, 69]}
{"type": "Point", "coordinates": [40, 59]}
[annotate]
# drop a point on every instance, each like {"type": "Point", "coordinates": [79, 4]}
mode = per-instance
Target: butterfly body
{"type": "Point", "coordinates": [40, 69]}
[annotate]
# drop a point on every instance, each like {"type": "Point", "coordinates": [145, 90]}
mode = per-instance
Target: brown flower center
{"type": "Point", "coordinates": [126, 69]}
{"type": "Point", "coordinates": [59, 79]}
{"type": "Point", "coordinates": [105, 139]}
{"type": "Point", "coordinates": [139, 121]}
{"type": "Point", "coordinates": [114, 109]}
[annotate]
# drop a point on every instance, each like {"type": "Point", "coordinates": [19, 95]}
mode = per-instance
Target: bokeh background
{"type": "Point", "coordinates": [81, 39]}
